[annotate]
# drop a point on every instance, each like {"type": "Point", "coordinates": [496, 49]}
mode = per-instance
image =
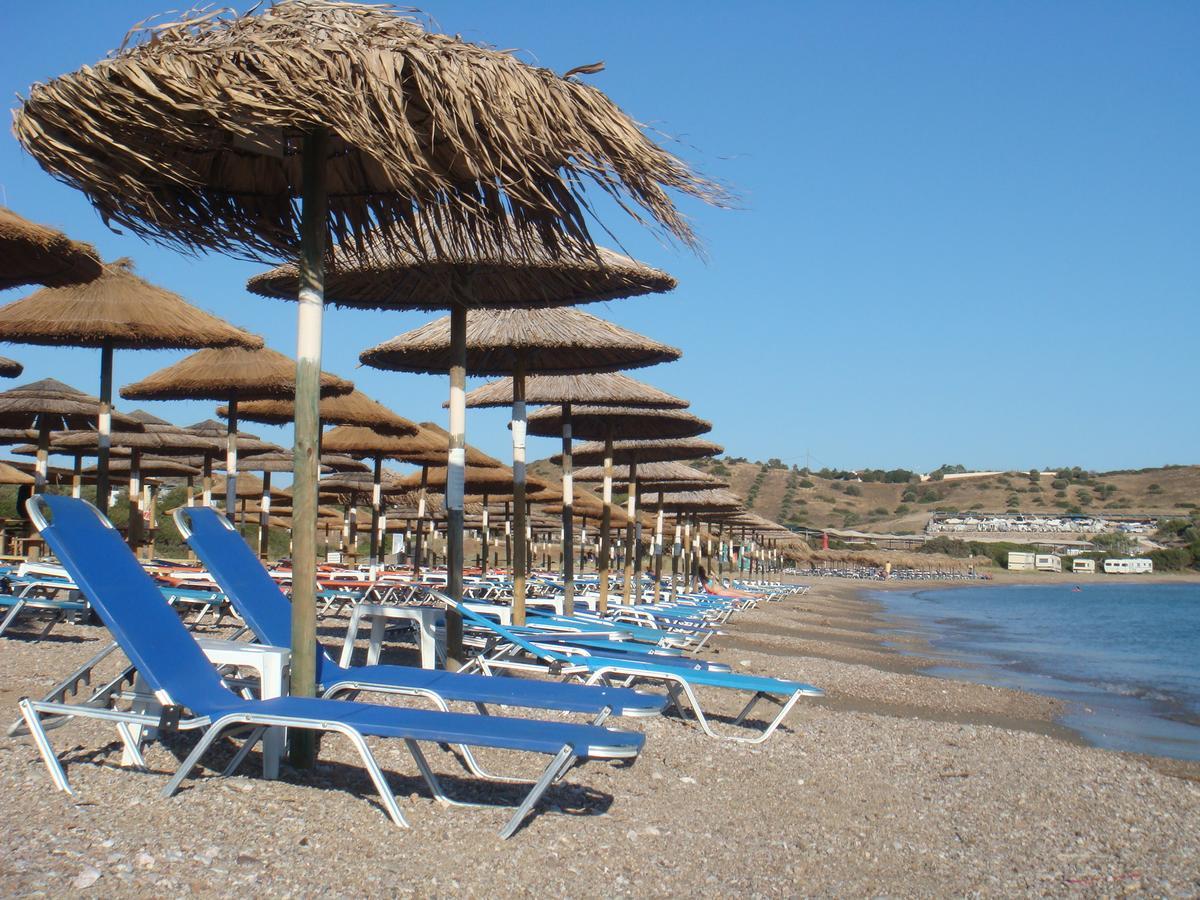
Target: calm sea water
{"type": "Point", "coordinates": [1125, 657]}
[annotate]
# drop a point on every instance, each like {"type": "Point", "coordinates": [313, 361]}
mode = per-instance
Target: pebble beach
{"type": "Point", "coordinates": [894, 783]}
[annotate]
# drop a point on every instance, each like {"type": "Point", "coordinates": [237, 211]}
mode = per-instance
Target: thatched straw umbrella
{"type": "Point", "coordinates": [354, 408]}
{"type": "Point", "coordinates": [349, 486]}
{"type": "Point", "coordinates": [282, 461]}
{"type": "Point", "coordinates": [10, 368]}
{"type": "Point", "coordinates": [655, 476]}
{"type": "Point", "coordinates": [566, 390]}
{"type": "Point", "coordinates": [518, 341]}
{"type": "Point", "coordinates": [417, 446]}
{"type": "Point", "coordinates": [217, 434]}
{"type": "Point", "coordinates": [49, 405]}
{"type": "Point", "coordinates": [656, 450]}
{"type": "Point", "coordinates": [34, 254]}
{"type": "Point", "coordinates": [115, 311]}
{"type": "Point", "coordinates": [608, 423]}
{"type": "Point", "coordinates": [226, 120]}
{"type": "Point", "coordinates": [685, 503]}
{"type": "Point", "coordinates": [230, 376]}
{"type": "Point", "coordinates": [157, 438]}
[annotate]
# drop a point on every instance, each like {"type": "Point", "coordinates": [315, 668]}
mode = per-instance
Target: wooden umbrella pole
{"type": "Point", "coordinates": [568, 520]}
{"type": "Point", "coordinates": [583, 544]}
{"type": "Point", "coordinates": [675, 553]}
{"type": "Point", "coordinates": [133, 530]}
{"type": "Point", "coordinates": [77, 477]}
{"type": "Point", "coordinates": [657, 550]}
{"type": "Point", "coordinates": [507, 537]}
{"type": "Point", "coordinates": [720, 550]}
{"type": "Point", "coordinates": [264, 517]}
{"type": "Point", "coordinates": [231, 427]}
{"type": "Point", "coordinates": [630, 533]}
{"type": "Point", "coordinates": [456, 475]}
{"type": "Point", "coordinates": [191, 491]}
{"type": "Point", "coordinates": [41, 468]}
{"type": "Point", "coordinates": [606, 522]}
{"type": "Point", "coordinates": [416, 544]}
{"type": "Point", "coordinates": [687, 554]}
{"type": "Point", "coordinates": [104, 427]}
{"type": "Point", "coordinates": [352, 526]}
{"type": "Point", "coordinates": [376, 511]}
{"type": "Point", "coordinates": [485, 538]}
{"type": "Point", "coordinates": [206, 482]}
{"type": "Point", "coordinates": [518, 442]}
{"type": "Point", "coordinates": [307, 433]}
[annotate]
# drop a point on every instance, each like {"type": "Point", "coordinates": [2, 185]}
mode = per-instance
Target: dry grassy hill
{"type": "Point", "coordinates": [791, 496]}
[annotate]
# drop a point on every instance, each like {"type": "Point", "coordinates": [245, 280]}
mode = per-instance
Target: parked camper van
{"type": "Point", "coordinates": [1048, 562]}
{"type": "Point", "coordinates": [1083, 566]}
{"type": "Point", "coordinates": [1128, 566]}
{"type": "Point", "coordinates": [1021, 562]}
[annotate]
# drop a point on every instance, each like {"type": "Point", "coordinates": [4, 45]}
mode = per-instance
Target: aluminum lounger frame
{"type": "Point", "coordinates": [157, 643]}
{"type": "Point", "coordinates": [602, 670]}
{"type": "Point", "coordinates": [347, 682]}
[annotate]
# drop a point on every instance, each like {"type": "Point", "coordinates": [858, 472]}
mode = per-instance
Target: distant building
{"type": "Point", "coordinates": [1021, 562]}
{"type": "Point", "coordinates": [1048, 562]}
{"type": "Point", "coordinates": [1083, 566]}
{"type": "Point", "coordinates": [1128, 566]}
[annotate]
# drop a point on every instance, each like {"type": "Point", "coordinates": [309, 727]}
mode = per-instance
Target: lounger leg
{"type": "Point", "coordinates": [34, 723]}
{"type": "Point", "coordinates": [12, 615]}
{"type": "Point", "coordinates": [206, 740]}
{"type": "Point", "coordinates": [741, 717]}
{"type": "Point", "coordinates": [557, 768]}
{"type": "Point", "coordinates": [377, 776]}
{"type": "Point", "coordinates": [238, 758]}
{"type": "Point", "coordinates": [133, 747]}
{"type": "Point", "coordinates": [351, 637]}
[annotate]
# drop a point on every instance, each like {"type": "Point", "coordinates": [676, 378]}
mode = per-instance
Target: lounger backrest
{"type": "Point", "coordinates": [471, 615]}
{"type": "Point", "coordinates": [128, 601]}
{"type": "Point", "coordinates": [239, 573]}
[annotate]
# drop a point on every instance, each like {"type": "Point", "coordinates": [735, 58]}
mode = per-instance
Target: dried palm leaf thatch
{"type": "Point", "coordinates": [607, 388]}
{"type": "Point", "coordinates": [422, 446]}
{"type": "Point", "coordinates": [219, 374]}
{"type": "Point", "coordinates": [475, 457]}
{"type": "Point", "coordinates": [348, 484]}
{"type": "Point", "coordinates": [59, 405]}
{"type": "Point", "coordinates": [696, 501]}
{"type": "Point", "coordinates": [190, 133]}
{"type": "Point", "coordinates": [248, 486]}
{"type": "Point", "coordinates": [551, 340]}
{"type": "Point", "coordinates": [218, 435]}
{"type": "Point", "coordinates": [495, 482]}
{"type": "Point", "coordinates": [120, 309]}
{"type": "Point", "coordinates": [656, 476]}
{"type": "Point", "coordinates": [17, 435]}
{"type": "Point", "coordinates": [157, 437]}
{"type": "Point", "coordinates": [34, 254]}
{"type": "Point", "coordinates": [148, 467]}
{"type": "Point", "coordinates": [10, 368]}
{"type": "Point", "coordinates": [283, 461]}
{"type": "Point", "coordinates": [354, 408]}
{"type": "Point", "coordinates": [10, 474]}
{"type": "Point", "coordinates": [505, 279]}
{"type": "Point", "coordinates": [624, 452]}
{"type": "Point", "coordinates": [622, 422]}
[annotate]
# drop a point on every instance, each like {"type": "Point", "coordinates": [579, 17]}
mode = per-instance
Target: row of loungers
{"type": "Point", "coordinates": [593, 664]}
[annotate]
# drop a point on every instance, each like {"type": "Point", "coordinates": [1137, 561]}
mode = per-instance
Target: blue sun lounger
{"type": "Point", "coordinates": [185, 682]}
{"type": "Point", "coordinates": [679, 676]}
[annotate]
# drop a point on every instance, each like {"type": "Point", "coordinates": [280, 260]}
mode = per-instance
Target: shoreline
{"type": "Point", "coordinates": [845, 625]}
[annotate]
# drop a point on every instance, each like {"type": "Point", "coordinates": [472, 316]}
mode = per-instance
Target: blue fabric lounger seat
{"type": "Point", "coordinates": [679, 680]}
{"type": "Point", "coordinates": [258, 600]}
{"type": "Point", "coordinates": [176, 669]}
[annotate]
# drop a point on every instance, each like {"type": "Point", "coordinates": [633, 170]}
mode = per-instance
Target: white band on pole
{"type": "Point", "coordinates": [456, 478]}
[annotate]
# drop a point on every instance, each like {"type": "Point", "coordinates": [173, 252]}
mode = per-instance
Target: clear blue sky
{"type": "Point", "coordinates": [970, 232]}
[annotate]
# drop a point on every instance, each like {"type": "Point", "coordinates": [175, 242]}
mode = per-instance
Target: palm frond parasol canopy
{"type": "Point", "coordinates": [220, 374]}
{"type": "Point", "coordinates": [612, 388]}
{"type": "Point", "coordinates": [35, 254]}
{"type": "Point", "coordinates": [354, 408]}
{"type": "Point", "coordinates": [10, 368]}
{"type": "Point", "coordinates": [546, 340]}
{"type": "Point", "coordinates": [190, 135]}
{"type": "Point", "coordinates": [657, 450]}
{"type": "Point", "coordinates": [493, 276]}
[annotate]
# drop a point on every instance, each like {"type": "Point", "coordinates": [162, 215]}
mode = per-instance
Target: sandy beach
{"type": "Point", "coordinates": [895, 783]}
